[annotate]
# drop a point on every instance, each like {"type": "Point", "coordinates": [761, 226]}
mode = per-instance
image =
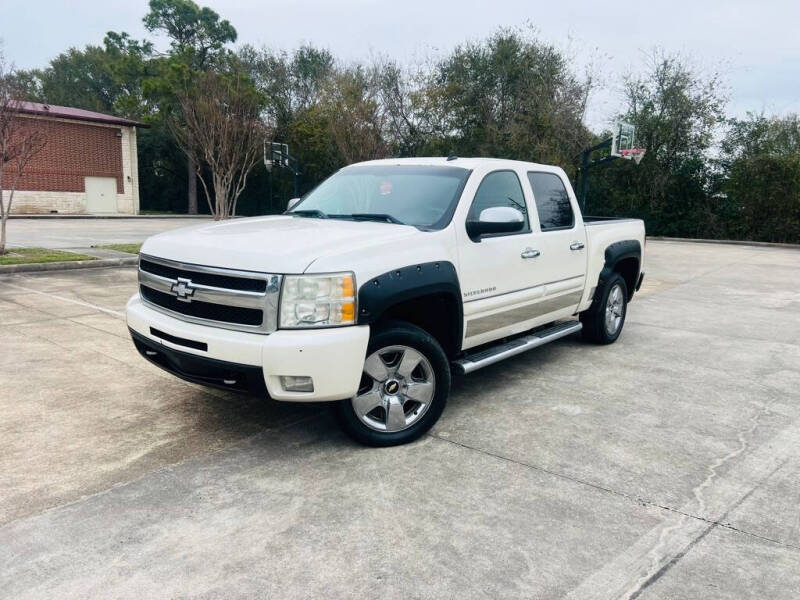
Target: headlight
{"type": "Point", "coordinates": [318, 300]}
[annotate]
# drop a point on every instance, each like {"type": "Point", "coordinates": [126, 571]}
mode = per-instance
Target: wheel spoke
{"type": "Point", "coordinates": [364, 403]}
{"type": "Point", "coordinates": [375, 368]}
{"type": "Point", "coordinates": [421, 391]}
{"type": "Point", "coordinates": [395, 416]}
{"type": "Point", "coordinates": [610, 321]}
{"type": "Point", "coordinates": [411, 358]}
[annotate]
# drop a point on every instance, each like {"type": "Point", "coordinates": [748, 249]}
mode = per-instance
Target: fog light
{"type": "Point", "coordinates": [290, 383]}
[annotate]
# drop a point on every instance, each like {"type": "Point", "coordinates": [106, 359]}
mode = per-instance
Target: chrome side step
{"type": "Point", "coordinates": [484, 358]}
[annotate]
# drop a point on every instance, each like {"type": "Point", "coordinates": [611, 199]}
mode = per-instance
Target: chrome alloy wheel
{"type": "Point", "coordinates": [615, 310]}
{"type": "Point", "coordinates": [396, 389]}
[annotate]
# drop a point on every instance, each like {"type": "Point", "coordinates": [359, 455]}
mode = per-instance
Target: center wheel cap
{"type": "Point", "coordinates": [391, 387]}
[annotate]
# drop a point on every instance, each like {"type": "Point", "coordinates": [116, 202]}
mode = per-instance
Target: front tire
{"type": "Point", "coordinates": [604, 320]}
{"type": "Point", "coordinates": [403, 390]}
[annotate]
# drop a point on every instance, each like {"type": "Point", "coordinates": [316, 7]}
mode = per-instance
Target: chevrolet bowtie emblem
{"type": "Point", "coordinates": [183, 289]}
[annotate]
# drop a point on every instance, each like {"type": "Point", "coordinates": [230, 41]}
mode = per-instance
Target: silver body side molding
{"type": "Point", "coordinates": [494, 354]}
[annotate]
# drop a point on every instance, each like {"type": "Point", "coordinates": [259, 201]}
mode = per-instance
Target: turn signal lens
{"type": "Point", "coordinates": [349, 311]}
{"type": "Point", "coordinates": [348, 287]}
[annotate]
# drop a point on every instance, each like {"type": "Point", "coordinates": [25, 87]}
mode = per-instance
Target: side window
{"type": "Point", "coordinates": [501, 188]}
{"type": "Point", "coordinates": [552, 201]}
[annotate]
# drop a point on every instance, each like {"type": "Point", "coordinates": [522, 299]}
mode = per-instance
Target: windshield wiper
{"type": "Point", "coordinates": [376, 217]}
{"type": "Point", "coordinates": [311, 212]}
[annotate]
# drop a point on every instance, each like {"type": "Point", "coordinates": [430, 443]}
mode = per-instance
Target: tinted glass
{"type": "Point", "coordinates": [501, 188]}
{"type": "Point", "coordinates": [552, 201]}
{"type": "Point", "coordinates": [423, 196]}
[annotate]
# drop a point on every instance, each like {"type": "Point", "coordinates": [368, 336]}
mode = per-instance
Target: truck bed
{"type": "Point", "coordinates": [588, 220]}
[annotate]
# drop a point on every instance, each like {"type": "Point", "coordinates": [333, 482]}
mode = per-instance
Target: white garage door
{"type": "Point", "coordinates": [101, 194]}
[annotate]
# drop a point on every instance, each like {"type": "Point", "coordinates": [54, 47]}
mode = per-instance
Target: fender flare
{"type": "Point", "coordinates": [399, 285]}
{"type": "Point", "coordinates": [614, 253]}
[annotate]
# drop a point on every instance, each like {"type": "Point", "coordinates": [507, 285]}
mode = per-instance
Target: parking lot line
{"type": "Point", "coordinates": [114, 313]}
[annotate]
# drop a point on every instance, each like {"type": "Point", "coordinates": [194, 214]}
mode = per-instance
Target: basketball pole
{"type": "Point", "coordinates": [279, 157]}
{"type": "Point", "coordinates": [586, 164]}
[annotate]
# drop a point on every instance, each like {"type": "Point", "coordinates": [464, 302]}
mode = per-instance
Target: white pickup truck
{"type": "Point", "coordinates": [375, 287]}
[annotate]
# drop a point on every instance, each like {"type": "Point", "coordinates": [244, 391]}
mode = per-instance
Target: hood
{"type": "Point", "coordinates": [275, 244]}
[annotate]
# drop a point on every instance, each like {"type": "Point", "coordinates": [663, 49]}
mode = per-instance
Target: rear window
{"type": "Point", "coordinates": [552, 201]}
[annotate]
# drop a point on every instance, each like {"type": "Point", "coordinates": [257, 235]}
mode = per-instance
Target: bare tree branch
{"type": "Point", "coordinates": [20, 140]}
{"type": "Point", "coordinates": [221, 130]}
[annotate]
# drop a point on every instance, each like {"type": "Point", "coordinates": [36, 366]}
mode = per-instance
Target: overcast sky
{"type": "Point", "coordinates": [756, 45]}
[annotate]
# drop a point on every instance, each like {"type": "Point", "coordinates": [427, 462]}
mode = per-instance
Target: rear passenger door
{"type": "Point", "coordinates": [562, 241]}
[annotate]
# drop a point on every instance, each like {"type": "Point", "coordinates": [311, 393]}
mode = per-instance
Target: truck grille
{"type": "Point", "coordinates": [240, 300]}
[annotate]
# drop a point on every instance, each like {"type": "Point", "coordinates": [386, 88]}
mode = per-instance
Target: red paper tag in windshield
{"type": "Point", "coordinates": [386, 188]}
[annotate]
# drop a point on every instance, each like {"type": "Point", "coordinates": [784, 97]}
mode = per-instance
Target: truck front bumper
{"type": "Point", "coordinates": [250, 362]}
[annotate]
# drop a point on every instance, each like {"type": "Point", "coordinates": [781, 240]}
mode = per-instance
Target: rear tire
{"type": "Point", "coordinates": [403, 390]}
{"type": "Point", "coordinates": [603, 322]}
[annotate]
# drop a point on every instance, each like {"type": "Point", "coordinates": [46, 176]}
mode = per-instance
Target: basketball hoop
{"type": "Point", "coordinates": [623, 143]}
{"type": "Point", "coordinates": [634, 154]}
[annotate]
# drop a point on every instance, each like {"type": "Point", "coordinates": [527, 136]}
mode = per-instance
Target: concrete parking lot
{"type": "Point", "coordinates": [664, 466]}
{"type": "Point", "coordinates": [46, 232]}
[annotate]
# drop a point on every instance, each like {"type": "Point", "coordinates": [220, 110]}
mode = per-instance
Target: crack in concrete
{"type": "Point", "coordinates": [697, 539]}
{"type": "Point", "coordinates": [630, 497]}
{"type": "Point", "coordinates": [658, 554]}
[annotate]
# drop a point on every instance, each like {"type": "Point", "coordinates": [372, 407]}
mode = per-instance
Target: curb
{"type": "Point", "coordinates": [728, 242]}
{"type": "Point", "coordinates": [70, 265]}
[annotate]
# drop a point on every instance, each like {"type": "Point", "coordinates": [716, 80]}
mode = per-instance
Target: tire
{"type": "Point", "coordinates": [603, 322]}
{"type": "Point", "coordinates": [396, 404]}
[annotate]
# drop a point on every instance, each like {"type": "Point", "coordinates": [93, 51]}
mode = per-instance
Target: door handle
{"type": "Point", "coordinates": [530, 253]}
{"type": "Point", "coordinates": [576, 246]}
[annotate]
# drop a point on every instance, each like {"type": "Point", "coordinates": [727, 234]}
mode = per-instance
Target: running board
{"type": "Point", "coordinates": [484, 358]}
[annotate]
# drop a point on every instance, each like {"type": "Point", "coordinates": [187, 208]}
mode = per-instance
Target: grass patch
{"type": "Point", "coordinates": [20, 256]}
{"type": "Point", "coordinates": [129, 248]}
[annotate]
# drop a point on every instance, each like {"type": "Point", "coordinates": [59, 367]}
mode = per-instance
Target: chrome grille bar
{"type": "Point", "coordinates": [182, 288]}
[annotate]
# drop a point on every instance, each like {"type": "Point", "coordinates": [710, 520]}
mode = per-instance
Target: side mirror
{"type": "Point", "coordinates": [292, 203]}
{"type": "Point", "coordinates": [497, 219]}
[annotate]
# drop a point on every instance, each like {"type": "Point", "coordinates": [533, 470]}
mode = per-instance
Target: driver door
{"type": "Point", "coordinates": [497, 271]}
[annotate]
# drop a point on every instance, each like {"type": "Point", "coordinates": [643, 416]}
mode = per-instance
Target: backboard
{"type": "Point", "coordinates": [623, 143]}
{"type": "Point", "coordinates": [275, 155]}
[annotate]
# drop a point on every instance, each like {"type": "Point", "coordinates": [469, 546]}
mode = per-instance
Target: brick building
{"type": "Point", "coordinates": [88, 163]}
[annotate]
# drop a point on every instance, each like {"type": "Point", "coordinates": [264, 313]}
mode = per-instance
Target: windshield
{"type": "Point", "coordinates": [423, 196]}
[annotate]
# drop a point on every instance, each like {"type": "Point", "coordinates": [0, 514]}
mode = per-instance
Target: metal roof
{"type": "Point", "coordinates": [76, 114]}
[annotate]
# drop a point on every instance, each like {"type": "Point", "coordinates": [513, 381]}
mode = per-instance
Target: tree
{"type": "Point", "coordinates": [197, 39]}
{"type": "Point", "coordinates": [676, 111]}
{"type": "Point", "coordinates": [104, 78]}
{"type": "Point", "coordinates": [219, 126]}
{"type": "Point", "coordinates": [197, 35]}
{"type": "Point", "coordinates": [509, 96]}
{"type": "Point", "coordinates": [294, 86]}
{"type": "Point", "coordinates": [760, 177]}
{"type": "Point", "coordinates": [356, 119]}
{"type": "Point", "coordinates": [758, 134]}
{"type": "Point", "coordinates": [20, 141]}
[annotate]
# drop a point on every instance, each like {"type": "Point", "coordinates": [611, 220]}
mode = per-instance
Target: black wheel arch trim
{"type": "Point", "coordinates": [613, 255]}
{"type": "Point", "coordinates": [402, 284]}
